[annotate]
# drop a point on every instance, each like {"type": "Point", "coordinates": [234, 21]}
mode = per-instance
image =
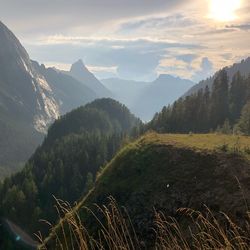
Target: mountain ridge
{"type": "Point", "coordinates": [243, 67]}
{"type": "Point", "coordinates": [80, 72]}
{"type": "Point", "coordinates": [146, 98]}
{"type": "Point", "coordinates": [163, 173]}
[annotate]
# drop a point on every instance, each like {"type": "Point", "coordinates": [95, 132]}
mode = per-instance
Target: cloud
{"type": "Point", "coordinates": [173, 21]}
{"type": "Point", "coordinates": [245, 26]}
{"type": "Point", "coordinates": [206, 70]}
{"type": "Point", "coordinates": [133, 59]}
{"type": "Point", "coordinates": [188, 58]}
{"type": "Point", "coordinates": [49, 17]}
{"type": "Point", "coordinates": [139, 39]}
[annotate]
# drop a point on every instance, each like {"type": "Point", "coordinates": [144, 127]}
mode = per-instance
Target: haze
{"type": "Point", "coordinates": [135, 40]}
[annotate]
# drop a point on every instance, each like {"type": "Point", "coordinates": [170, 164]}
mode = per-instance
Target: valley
{"type": "Point", "coordinates": [124, 125]}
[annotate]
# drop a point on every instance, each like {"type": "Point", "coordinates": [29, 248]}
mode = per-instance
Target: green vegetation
{"type": "Point", "coordinates": [208, 110]}
{"type": "Point", "coordinates": [66, 164]}
{"type": "Point", "coordinates": [162, 173]}
{"type": "Point", "coordinates": [244, 122]}
{"type": "Point", "coordinates": [233, 143]}
{"type": "Point", "coordinates": [158, 173]}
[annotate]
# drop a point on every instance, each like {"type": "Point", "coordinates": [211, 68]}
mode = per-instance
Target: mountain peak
{"type": "Point", "coordinates": [165, 76]}
{"type": "Point", "coordinates": [78, 66]}
{"type": "Point", "coordinates": [80, 72]}
{"type": "Point", "coordinates": [79, 63]}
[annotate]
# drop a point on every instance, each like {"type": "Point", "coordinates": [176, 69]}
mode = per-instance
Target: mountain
{"type": "Point", "coordinates": [82, 74]}
{"type": "Point", "coordinates": [223, 108]}
{"type": "Point", "coordinates": [27, 104]}
{"type": "Point", "coordinates": [78, 144]}
{"type": "Point", "coordinates": [243, 67]}
{"type": "Point", "coordinates": [146, 98]}
{"type": "Point", "coordinates": [163, 91]}
{"type": "Point", "coordinates": [125, 91]}
{"type": "Point", "coordinates": [24, 94]}
{"type": "Point", "coordinates": [31, 98]}
{"type": "Point", "coordinates": [162, 173]}
{"type": "Point", "coordinates": [67, 91]}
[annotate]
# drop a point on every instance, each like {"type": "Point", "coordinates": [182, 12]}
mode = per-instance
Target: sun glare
{"type": "Point", "coordinates": [224, 10]}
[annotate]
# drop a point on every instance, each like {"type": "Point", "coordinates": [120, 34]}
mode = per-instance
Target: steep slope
{"type": "Point", "coordinates": [24, 93]}
{"type": "Point", "coordinates": [146, 98]}
{"type": "Point", "coordinates": [76, 147]}
{"type": "Point", "coordinates": [243, 67]}
{"type": "Point", "coordinates": [67, 91]}
{"type": "Point", "coordinates": [27, 105]}
{"type": "Point", "coordinates": [167, 172]}
{"type": "Point", "coordinates": [82, 74]}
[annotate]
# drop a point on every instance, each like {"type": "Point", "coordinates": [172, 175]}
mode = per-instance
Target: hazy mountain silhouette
{"type": "Point", "coordinates": [83, 75]}
{"type": "Point", "coordinates": [146, 98]}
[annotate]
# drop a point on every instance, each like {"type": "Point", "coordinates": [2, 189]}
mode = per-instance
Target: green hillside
{"type": "Point", "coordinates": [167, 172]}
{"type": "Point", "coordinates": [66, 164]}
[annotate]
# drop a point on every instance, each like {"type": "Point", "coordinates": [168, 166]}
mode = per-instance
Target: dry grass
{"type": "Point", "coordinates": [115, 231]}
{"type": "Point", "coordinates": [202, 141]}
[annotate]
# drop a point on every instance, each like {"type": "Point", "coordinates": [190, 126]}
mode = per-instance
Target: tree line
{"type": "Point", "coordinates": [225, 108]}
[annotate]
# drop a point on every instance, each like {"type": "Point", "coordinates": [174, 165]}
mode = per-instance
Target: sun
{"type": "Point", "coordinates": [224, 10]}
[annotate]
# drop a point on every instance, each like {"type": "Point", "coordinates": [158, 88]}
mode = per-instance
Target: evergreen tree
{"type": "Point", "coordinates": [244, 122]}
{"type": "Point", "coordinates": [219, 108]}
{"type": "Point", "coordinates": [65, 165]}
{"type": "Point", "coordinates": [237, 95]}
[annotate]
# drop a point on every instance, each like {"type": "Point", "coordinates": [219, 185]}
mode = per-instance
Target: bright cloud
{"type": "Point", "coordinates": [132, 39]}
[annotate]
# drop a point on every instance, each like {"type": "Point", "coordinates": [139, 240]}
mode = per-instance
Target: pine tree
{"type": "Point", "coordinates": [219, 109]}
{"type": "Point", "coordinates": [236, 96]}
{"type": "Point", "coordinates": [244, 122]}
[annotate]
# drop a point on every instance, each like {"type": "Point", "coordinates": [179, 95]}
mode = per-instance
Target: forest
{"type": "Point", "coordinates": [224, 108]}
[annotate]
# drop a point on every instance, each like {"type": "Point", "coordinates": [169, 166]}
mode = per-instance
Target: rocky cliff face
{"type": "Point", "coordinates": [24, 94]}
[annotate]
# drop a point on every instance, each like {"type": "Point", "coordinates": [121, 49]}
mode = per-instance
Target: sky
{"type": "Point", "coordinates": [133, 39]}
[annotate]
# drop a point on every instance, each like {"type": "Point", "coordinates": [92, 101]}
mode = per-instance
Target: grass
{"type": "Point", "coordinates": [116, 232]}
{"type": "Point", "coordinates": [167, 171]}
{"type": "Point", "coordinates": [202, 141]}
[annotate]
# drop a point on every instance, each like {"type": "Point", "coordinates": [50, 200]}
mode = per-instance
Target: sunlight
{"type": "Point", "coordinates": [224, 10]}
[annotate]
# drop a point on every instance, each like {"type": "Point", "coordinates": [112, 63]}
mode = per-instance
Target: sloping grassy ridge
{"type": "Point", "coordinates": [167, 172]}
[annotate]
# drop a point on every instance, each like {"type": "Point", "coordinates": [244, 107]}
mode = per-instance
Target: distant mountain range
{"type": "Point", "coordinates": [243, 67]}
{"type": "Point", "coordinates": [146, 98]}
{"type": "Point", "coordinates": [82, 74]}
{"type": "Point", "coordinates": [32, 97]}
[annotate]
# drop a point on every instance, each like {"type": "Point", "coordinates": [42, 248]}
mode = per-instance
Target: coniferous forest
{"type": "Point", "coordinates": [223, 108]}
{"type": "Point", "coordinates": [66, 165]}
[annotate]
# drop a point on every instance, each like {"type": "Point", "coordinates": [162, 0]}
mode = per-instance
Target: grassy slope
{"type": "Point", "coordinates": [200, 141]}
{"type": "Point", "coordinates": [172, 171]}
{"type": "Point", "coordinates": [156, 160]}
